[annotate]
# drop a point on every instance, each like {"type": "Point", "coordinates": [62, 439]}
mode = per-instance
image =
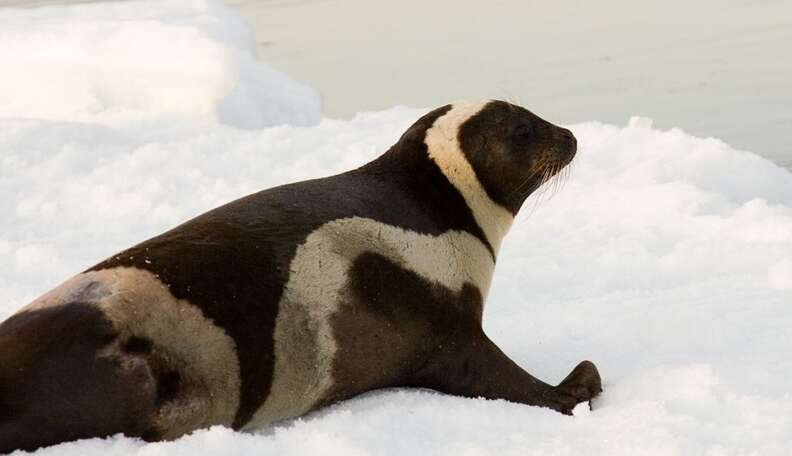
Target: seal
{"type": "Point", "coordinates": [296, 297]}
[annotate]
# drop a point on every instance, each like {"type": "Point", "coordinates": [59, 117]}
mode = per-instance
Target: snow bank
{"type": "Point", "coordinates": [142, 60]}
{"type": "Point", "coordinates": [665, 259]}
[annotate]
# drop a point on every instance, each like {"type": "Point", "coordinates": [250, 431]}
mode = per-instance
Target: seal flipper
{"type": "Point", "coordinates": [49, 354]}
{"type": "Point", "coordinates": [582, 384]}
{"type": "Point", "coordinates": [476, 367]}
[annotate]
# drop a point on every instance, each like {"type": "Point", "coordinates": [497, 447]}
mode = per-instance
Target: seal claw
{"type": "Point", "coordinates": [581, 385]}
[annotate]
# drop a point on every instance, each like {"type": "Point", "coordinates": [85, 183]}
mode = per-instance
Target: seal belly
{"type": "Point", "coordinates": [318, 290]}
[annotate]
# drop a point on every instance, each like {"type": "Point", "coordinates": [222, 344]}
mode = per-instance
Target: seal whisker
{"type": "Point", "coordinates": [520, 186]}
{"type": "Point", "coordinates": [558, 174]}
{"type": "Point", "coordinates": [541, 193]}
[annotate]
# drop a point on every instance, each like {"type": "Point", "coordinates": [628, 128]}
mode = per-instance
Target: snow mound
{"type": "Point", "coordinates": [142, 60]}
{"type": "Point", "coordinates": [665, 259]}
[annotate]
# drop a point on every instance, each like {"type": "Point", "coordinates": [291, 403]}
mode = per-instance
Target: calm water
{"type": "Point", "coordinates": [711, 67]}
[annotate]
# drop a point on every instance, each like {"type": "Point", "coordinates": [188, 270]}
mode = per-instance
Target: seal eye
{"type": "Point", "coordinates": [522, 133]}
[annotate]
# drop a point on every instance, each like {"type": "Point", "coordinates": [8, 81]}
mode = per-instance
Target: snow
{"type": "Point", "coordinates": [118, 62]}
{"type": "Point", "coordinates": [665, 258]}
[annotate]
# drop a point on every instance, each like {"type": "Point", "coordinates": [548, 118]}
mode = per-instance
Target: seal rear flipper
{"type": "Point", "coordinates": [56, 386]}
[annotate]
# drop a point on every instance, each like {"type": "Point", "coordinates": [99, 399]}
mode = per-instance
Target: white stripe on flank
{"type": "Point", "coordinates": [305, 346]}
{"type": "Point", "coordinates": [442, 141]}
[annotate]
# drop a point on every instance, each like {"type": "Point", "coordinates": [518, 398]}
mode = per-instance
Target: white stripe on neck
{"type": "Point", "coordinates": [442, 141]}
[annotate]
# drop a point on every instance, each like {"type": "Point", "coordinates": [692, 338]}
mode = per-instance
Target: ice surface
{"type": "Point", "coordinates": [665, 258]}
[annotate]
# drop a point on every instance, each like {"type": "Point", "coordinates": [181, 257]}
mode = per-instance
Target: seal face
{"type": "Point", "coordinates": [295, 297]}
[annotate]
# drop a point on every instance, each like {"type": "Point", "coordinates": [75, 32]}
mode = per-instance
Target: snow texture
{"type": "Point", "coordinates": [665, 258]}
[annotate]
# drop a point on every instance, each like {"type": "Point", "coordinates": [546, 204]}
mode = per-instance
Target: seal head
{"type": "Point", "coordinates": [514, 151]}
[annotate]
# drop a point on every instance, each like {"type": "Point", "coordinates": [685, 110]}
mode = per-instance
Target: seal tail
{"type": "Point", "coordinates": [55, 386]}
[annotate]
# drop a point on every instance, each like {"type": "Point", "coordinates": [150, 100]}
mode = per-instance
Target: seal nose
{"type": "Point", "coordinates": [568, 139]}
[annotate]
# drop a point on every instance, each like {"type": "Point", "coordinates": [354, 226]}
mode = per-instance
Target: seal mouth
{"type": "Point", "coordinates": [557, 166]}
{"type": "Point", "coordinates": [555, 161]}
{"type": "Point", "coordinates": [567, 146]}
{"type": "Point", "coordinates": [550, 173]}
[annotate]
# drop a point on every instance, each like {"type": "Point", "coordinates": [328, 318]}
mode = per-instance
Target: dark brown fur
{"type": "Point", "coordinates": [434, 340]}
{"type": "Point", "coordinates": [53, 385]}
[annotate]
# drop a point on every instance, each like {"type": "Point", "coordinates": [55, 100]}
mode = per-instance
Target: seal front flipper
{"type": "Point", "coordinates": [478, 368]}
{"type": "Point", "coordinates": [582, 384]}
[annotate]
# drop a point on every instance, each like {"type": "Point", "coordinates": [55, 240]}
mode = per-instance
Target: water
{"type": "Point", "coordinates": [711, 67]}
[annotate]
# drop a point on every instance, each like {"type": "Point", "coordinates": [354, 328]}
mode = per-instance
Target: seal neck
{"type": "Point", "coordinates": [444, 149]}
{"type": "Point", "coordinates": [432, 166]}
